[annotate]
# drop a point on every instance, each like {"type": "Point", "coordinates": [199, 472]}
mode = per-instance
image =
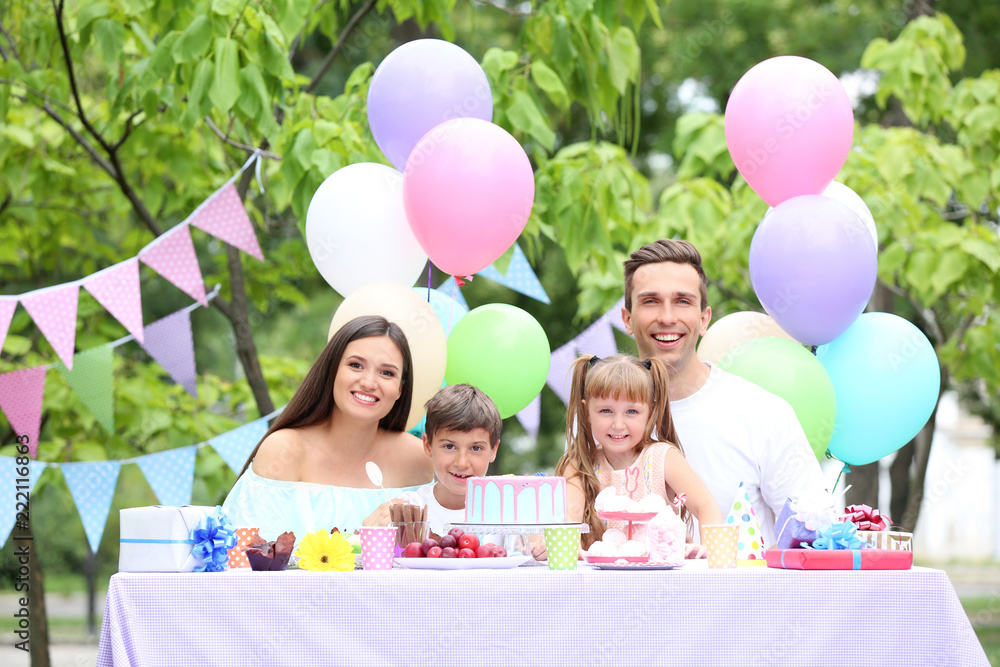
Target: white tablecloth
{"type": "Point", "coordinates": [532, 616]}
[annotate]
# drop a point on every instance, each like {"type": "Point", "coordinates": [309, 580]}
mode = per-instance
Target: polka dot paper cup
{"type": "Point", "coordinates": [378, 547]}
{"type": "Point", "coordinates": [721, 544]}
{"type": "Point", "coordinates": [563, 547]}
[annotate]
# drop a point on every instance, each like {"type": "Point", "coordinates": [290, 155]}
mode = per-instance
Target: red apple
{"type": "Point", "coordinates": [434, 552]}
{"type": "Point", "coordinates": [449, 540]}
{"type": "Point", "coordinates": [468, 541]}
{"type": "Point", "coordinates": [484, 551]}
{"type": "Point", "coordinates": [500, 552]}
{"type": "Point", "coordinates": [449, 552]}
{"type": "Point", "coordinates": [466, 553]}
{"type": "Point", "coordinates": [456, 533]}
{"type": "Point", "coordinates": [413, 550]}
{"type": "Point", "coordinates": [427, 544]}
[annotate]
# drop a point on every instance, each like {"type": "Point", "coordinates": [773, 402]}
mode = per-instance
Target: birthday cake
{"type": "Point", "coordinates": [511, 499]}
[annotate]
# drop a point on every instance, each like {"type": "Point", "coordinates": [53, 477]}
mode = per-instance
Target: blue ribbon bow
{"type": "Point", "coordinates": [213, 538]}
{"type": "Point", "coordinates": [837, 536]}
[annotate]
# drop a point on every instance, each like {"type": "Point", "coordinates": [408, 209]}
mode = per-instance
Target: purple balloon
{"type": "Point", "coordinates": [813, 266]}
{"type": "Point", "coordinates": [417, 87]}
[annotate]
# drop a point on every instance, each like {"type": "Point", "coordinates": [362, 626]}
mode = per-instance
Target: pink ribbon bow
{"type": "Point", "coordinates": [866, 518]}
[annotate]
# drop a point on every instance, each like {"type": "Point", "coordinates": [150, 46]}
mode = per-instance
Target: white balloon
{"type": "Point", "coordinates": [853, 201]}
{"type": "Point", "coordinates": [734, 329]}
{"type": "Point", "coordinates": [357, 232]}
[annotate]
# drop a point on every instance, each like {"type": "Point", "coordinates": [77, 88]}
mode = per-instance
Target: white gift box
{"type": "Point", "coordinates": [158, 538]}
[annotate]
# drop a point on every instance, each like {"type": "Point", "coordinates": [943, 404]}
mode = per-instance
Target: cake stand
{"type": "Point", "coordinates": [630, 517]}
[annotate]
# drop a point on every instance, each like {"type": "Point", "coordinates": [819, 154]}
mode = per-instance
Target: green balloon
{"type": "Point", "coordinates": [503, 351]}
{"type": "Point", "coordinates": [787, 369]}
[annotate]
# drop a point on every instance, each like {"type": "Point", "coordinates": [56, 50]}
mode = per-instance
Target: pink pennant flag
{"type": "Point", "coordinates": [224, 217]}
{"type": "Point", "coordinates": [54, 311]}
{"type": "Point", "coordinates": [172, 256]}
{"type": "Point", "coordinates": [117, 289]}
{"type": "Point", "coordinates": [21, 395]}
{"type": "Point", "coordinates": [7, 307]}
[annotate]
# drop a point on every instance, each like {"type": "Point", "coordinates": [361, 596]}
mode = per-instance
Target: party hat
{"type": "Point", "coordinates": [749, 545]}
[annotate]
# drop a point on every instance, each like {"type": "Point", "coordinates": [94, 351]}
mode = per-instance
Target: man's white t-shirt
{"type": "Point", "coordinates": [437, 515]}
{"type": "Point", "coordinates": [734, 431]}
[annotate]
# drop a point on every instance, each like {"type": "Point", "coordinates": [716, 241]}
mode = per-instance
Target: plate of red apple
{"type": "Point", "coordinates": [457, 550]}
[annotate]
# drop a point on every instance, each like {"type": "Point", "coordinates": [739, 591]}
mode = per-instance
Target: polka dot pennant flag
{"type": "Point", "coordinates": [450, 289]}
{"type": "Point", "coordinates": [92, 378]}
{"type": "Point", "coordinates": [235, 446]}
{"type": "Point", "coordinates": [92, 486]}
{"type": "Point", "coordinates": [170, 474]}
{"type": "Point", "coordinates": [11, 480]}
{"type": "Point", "coordinates": [519, 276]}
{"type": "Point", "coordinates": [21, 394]}
{"type": "Point", "coordinates": [172, 256]}
{"type": "Point", "coordinates": [7, 307]}
{"type": "Point", "coordinates": [224, 217]}
{"type": "Point", "coordinates": [558, 378]}
{"type": "Point", "coordinates": [749, 544]}
{"type": "Point", "coordinates": [117, 289]}
{"type": "Point", "coordinates": [531, 416]}
{"type": "Point", "coordinates": [54, 311]}
{"type": "Point", "coordinates": [170, 343]}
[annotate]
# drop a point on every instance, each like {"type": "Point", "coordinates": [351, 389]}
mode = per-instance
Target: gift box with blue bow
{"type": "Point", "coordinates": [189, 538]}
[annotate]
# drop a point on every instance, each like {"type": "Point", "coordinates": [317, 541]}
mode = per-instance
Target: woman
{"type": "Point", "coordinates": [308, 472]}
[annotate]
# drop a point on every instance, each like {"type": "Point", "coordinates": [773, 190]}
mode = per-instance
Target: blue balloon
{"type": "Point", "coordinates": [447, 309]}
{"type": "Point", "coordinates": [887, 380]}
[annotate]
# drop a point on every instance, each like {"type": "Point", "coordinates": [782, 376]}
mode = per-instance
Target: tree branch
{"type": "Point", "coordinates": [82, 140]}
{"type": "Point", "coordinates": [39, 94]}
{"type": "Point", "coordinates": [13, 47]}
{"type": "Point", "coordinates": [298, 37]}
{"type": "Point", "coordinates": [927, 315]}
{"type": "Point", "coordinates": [128, 130]}
{"type": "Point", "coordinates": [59, 6]}
{"type": "Point", "coordinates": [358, 15]}
{"type": "Point", "coordinates": [233, 142]}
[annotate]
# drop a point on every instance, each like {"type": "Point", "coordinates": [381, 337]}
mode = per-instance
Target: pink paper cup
{"type": "Point", "coordinates": [377, 547]}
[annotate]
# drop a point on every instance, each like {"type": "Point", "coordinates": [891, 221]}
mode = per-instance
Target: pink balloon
{"type": "Point", "coordinates": [789, 126]}
{"type": "Point", "coordinates": [468, 189]}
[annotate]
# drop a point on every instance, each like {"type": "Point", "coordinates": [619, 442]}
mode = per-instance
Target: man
{"type": "Point", "coordinates": [732, 430]}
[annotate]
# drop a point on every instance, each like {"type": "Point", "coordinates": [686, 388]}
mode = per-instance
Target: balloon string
{"type": "Point", "coordinates": [451, 308]}
{"type": "Point", "coordinates": [846, 468]}
{"type": "Point", "coordinates": [428, 282]}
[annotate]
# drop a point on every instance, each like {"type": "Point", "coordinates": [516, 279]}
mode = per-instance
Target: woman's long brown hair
{"type": "Point", "coordinates": [623, 377]}
{"type": "Point", "coordinates": [313, 401]}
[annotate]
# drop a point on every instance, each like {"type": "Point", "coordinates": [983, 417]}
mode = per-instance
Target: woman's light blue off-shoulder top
{"type": "Point", "coordinates": [277, 506]}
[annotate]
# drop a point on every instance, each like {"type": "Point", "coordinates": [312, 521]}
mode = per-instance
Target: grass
{"type": "Point", "coordinates": [984, 613]}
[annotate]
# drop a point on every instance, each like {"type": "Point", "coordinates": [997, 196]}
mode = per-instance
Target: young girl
{"type": "Point", "coordinates": [616, 405]}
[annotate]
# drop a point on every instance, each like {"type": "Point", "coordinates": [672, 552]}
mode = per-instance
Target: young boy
{"type": "Point", "coordinates": [461, 438]}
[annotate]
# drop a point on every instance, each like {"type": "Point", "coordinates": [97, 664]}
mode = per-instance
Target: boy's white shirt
{"type": "Point", "coordinates": [437, 515]}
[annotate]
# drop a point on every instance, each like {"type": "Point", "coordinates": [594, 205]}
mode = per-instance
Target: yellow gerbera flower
{"type": "Point", "coordinates": [323, 552]}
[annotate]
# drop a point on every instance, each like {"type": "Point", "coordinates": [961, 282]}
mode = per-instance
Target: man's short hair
{"type": "Point", "coordinates": [462, 407]}
{"type": "Point", "coordinates": [665, 250]}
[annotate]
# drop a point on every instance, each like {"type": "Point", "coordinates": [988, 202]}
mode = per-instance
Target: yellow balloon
{"type": "Point", "coordinates": [418, 321]}
{"type": "Point", "coordinates": [733, 330]}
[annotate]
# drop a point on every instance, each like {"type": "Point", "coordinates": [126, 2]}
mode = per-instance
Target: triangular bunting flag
{"type": "Point", "coordinates": [531, 416]}
{"type": "Point", "coordinates": [450, 289]}
{"type": "Point", "coordinates": [235, 446]}
{"type": "Point", "coordinates": [54, 311]}
{"type": "Point", "coordinates": [92, 378]}
{"type": "Point", "coordinates": [169, 342]}
{"type": "Point", "coordinates": [7, 307]}
{"type": "Point", "coordinates": [92, 486]}
{"type": "Point", "coordinates": [170, 474]}
{"type": "Point", "coordinates": [117, 289]}
{"type": "Point", "coordinates": [21, 394]}
{"type": "Point", "coordinates": [11, 479]}
{"type": "Point", "coordinates": [172, 256]}
{"type": "Point", "coordinates": [597, 339]}
{"type": "Point", "coordinates": [614, 316]}
{"type": "Point", "coordinates": [519, 277]}
{"type": "Point", "coordinates": [749, 545]}
{"type": "Point", "coordinates": [558, 378]}
{"type": "Point", "coordinates": [224, 217]}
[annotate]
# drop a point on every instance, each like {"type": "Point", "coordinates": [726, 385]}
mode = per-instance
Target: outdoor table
{"type": "Point", "coordinates": [748, 616]}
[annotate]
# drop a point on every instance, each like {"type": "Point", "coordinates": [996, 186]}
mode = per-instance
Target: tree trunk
{"type": "Point", "coordinates": [864, 485]}
{"type": "Point", "coordinates": [238, 314]}
{"type": "Point", "coordinates": [922, 446]}
{"type": "Point", "coordinates": [39, 647]}
{"type": "Point", "coordinates": [90, 573]}
{"type": "Point", "coordinates": [899, 478]}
